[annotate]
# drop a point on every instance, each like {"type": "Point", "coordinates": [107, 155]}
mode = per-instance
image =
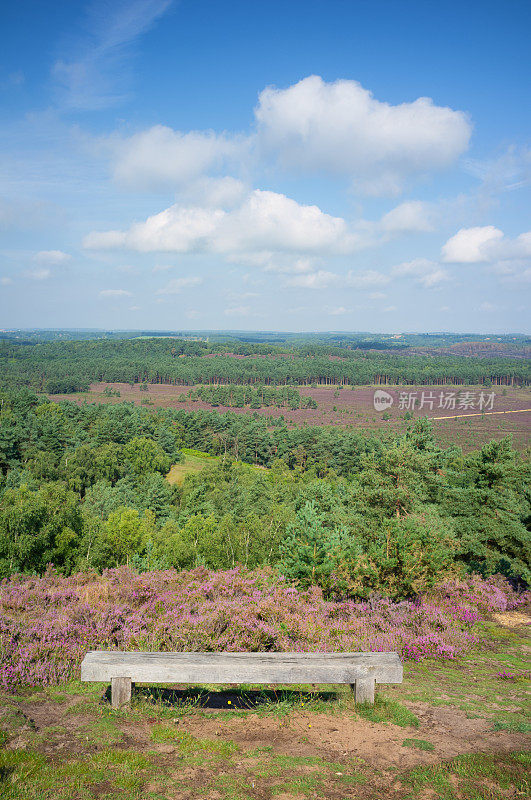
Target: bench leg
{"type": "Point", "coordinates": [364, 690]}
{"type": "Point", "coordinates": [120, 692]}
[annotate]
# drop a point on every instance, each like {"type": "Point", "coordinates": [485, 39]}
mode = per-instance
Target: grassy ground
{"type": "Point", "coordinates": [453, 731]}
{"type": "Point", "coordinates": [193, 461]}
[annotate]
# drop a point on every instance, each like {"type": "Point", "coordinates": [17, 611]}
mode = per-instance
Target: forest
{"type": "Point", "coordinates": [234, 396]}
{"type": "Point", "coordinates": [61, 367]}
{"type": "Point", "coordinates": [83, 487]}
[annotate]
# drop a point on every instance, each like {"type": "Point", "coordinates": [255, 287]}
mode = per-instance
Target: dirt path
{"type": "Point", "coordinates": [484, 413]}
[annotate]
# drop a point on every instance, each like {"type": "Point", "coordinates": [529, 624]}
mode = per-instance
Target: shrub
{"type": "Point", "coordinates": [47, 624]}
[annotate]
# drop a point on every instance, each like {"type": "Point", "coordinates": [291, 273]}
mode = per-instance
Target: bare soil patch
{"type": "Point", "coordinates": [332, 737]}
{"type": "Point", "coordinates": [513, 619]}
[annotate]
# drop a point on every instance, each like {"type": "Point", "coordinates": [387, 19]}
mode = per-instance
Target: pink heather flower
{"type": "Point", "coordinates": [47, 624]}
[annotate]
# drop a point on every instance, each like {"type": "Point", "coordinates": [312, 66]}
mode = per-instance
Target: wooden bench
{"type": "Point", "coordinates": [122, 669]}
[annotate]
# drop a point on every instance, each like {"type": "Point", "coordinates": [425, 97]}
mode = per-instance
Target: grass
{"type": "Point", "coordinates": [193, 462]}
{"type": "Point", "coordinates": [472, 684]}
{"type": "Point", "coordinates": [151, 752]}
{"type": "Point", "coordinates": [188, 744]}
{"type": "Point", "coordinates": [31, 776]}
{"type": "Point", "coordinates": [478, 776]}
{"type": "Point", "coordinates": [420, 744]}
{"type": "Point", "coordinates": [513, 726]}
{"type": "Point", "coordinates": [386, 710]}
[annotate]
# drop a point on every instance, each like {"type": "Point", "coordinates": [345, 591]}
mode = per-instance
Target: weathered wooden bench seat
{"type": "Point", "coordinates": [361, 670]}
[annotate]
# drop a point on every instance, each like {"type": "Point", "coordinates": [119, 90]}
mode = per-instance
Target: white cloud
{"type": "Point", "coordinates": [340, 128]}
{"type": "Point", "coordinates": [487, 306]}
{"type": "Point", "coordinates": [264, 223]}
{"type": "Point", "coordinates": [521, 247]}
{"type": "Point", "coordinates": [471, 245]}
{"type": "Point", "coordinates": [485, 245]}
{"type": "Point", "coordinates": [115, 293]}
{"type": "Point", "coordinates": [178, 284]}
{"type": "Point", "coordinates": [6, 281]}
{"type": "Point", "coordinates": [192, 314]}
{"type": "Point", "coordinates": [52, 257]}
{"type": "Point", "coordinates": [273, 222]}
{"type": "Point", "coordinates": [134, 308]}
{"type": "Point", "coordinates": [312, 127]}
{"type": "Point", "coordinates": [413, 216]}
{"type": "Point", "coordinates": [425, 272]}
{"type": "Point", "coordinates": [161, 158]}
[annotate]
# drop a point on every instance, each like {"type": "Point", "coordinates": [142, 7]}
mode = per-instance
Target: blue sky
{"type": "Point", "coordinates": [290, 166]}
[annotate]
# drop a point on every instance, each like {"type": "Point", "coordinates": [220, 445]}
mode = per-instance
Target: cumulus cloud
{"type": "Point", "coordinates": [161, 158]}
{"type": "Point", "coordinates": [265, 222]}
{"type": "Point", "coordinates": [178, 284]}
{"type": "Point", "coordinates": [425, 272]}
{"type": "Point", "coordinates": [311, 127]}
{"type": "Point", "coordinates": [341, 128]}
{"type": "Point", "coordinates": [485, 245]}
{"type": "Point", "coordinates": [52, 257]}
{"type": "Point", "coordinates": [471, 245]}
{"type": "Point", "coordinates": [115, 293]}
{"type": "Point", "coordinates": [413, 216]}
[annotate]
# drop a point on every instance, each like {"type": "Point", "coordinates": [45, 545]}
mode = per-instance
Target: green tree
{"type": "Point", "coordinates": [309, 552]}
{"type": "Point", "coordinates": [146, 455]}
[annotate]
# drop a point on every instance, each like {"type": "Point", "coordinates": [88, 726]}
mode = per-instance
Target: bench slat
{"type": "Point", "coordinates": [272, 668]}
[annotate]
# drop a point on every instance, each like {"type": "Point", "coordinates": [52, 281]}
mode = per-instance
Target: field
{"type": "Point", "coordinates": [451, 731]}
{"type": "Point", "coordinates": [353, 407]}
{"type": "Point", "coordinates": [192, 463]}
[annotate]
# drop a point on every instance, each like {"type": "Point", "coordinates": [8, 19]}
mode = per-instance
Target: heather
{"type": "Point", "coordinates": [47, 623]}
